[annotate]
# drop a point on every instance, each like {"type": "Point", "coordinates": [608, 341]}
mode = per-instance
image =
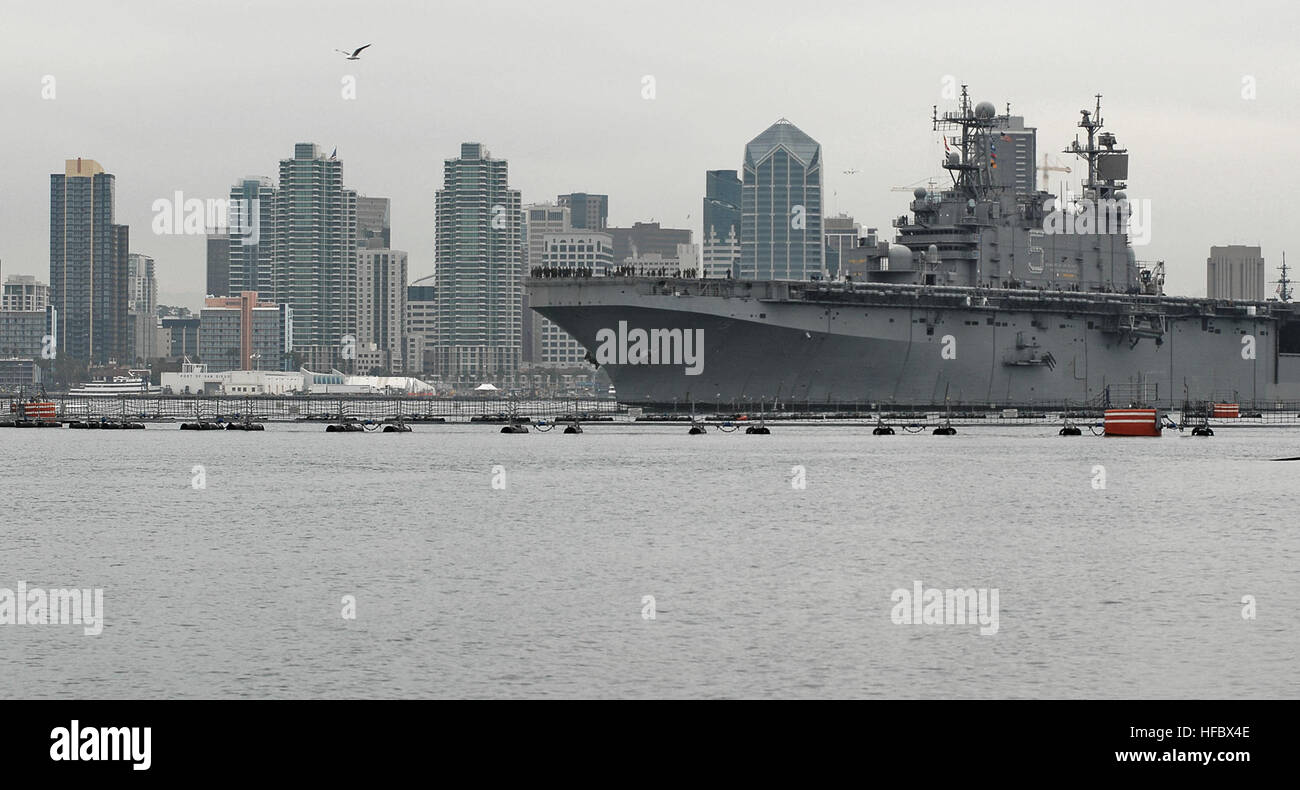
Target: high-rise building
{"type": "Point", "coordinates": [781, 206]}
{"type": "Point", "coordinates": [142, 306]}
{"type": "Point", "coordinates": [654, 264]}
{"type": "Point", "coordinates": [380, 310]}
{"type": "Point", "coordinates": [315, 255]}
{"type": "Point", "coordinates": [1011, 156]}
{"type": "Point", "coordinates": [646, 238]}
{"type": "Point", "coordinates": [421, 327]}
{"type": "Point", "coordinates": [25, 293]}
{"type": "Point", "coordinates": [252, 238]}
{"type": "Point", "coordinates": [88, 287]}
{"type": "Point", "coordinates": [587, 212]}
{"type": "Point", "coordinates": [539, 219]}
{"type": "Point", "coordinates": [479, 259]}
{"type": "Point", "coordinates": [374, 225]}
{"type": "Point", "coordinates": [243, 333]}
{"type": "Point", "coordinates": [1235, 272]}
{"type": "Point", "coordinates": [721, 240]}
{"type": "Point", "coordinates": [218, 263]}
{"type": "Point", "coordinates": [570, 251]}
{"type": "Point", "coordinates": [842, 234]}
{"type": "Point", "coordinates": [182, 333]}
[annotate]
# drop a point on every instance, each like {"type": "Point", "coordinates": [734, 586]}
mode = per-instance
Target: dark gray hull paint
{"type": "Point", "coordinates": [800, 354]}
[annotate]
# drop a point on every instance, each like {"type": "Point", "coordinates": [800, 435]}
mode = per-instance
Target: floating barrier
{"type": "Point", "coordinates": [24, 423]}
{"type": "Point", "coordinates": [1225, 411]}
{"type": "Point", "coordinates": [33, 410]}
{"type": "Point", "coordinates": [515, 428]}
{"type": "Point", "coordinates": [1132, 422]}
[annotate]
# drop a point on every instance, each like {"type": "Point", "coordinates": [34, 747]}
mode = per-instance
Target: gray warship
{"type": "Point", "coordinates": [989, 296]}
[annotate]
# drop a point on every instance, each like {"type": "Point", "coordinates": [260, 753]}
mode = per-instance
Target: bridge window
{"type": "Point", "coordinates": [1288, 339]}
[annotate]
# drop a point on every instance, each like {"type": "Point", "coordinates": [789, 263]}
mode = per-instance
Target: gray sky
{"type": "Point", "coordinates": [191, 96]}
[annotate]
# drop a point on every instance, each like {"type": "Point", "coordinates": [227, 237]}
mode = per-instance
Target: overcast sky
{"type": "Point", "coordinates": [190, 96]}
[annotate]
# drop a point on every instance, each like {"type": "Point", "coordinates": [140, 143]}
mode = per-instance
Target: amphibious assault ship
{"type": "Point", "coordinates": [991, 295]}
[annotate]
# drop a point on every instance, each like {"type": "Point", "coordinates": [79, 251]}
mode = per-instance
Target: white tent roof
{"type": "Point", "coordinates": [485, 387]}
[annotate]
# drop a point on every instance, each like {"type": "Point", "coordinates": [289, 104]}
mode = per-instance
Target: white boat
{"type": "Point", "coordinates": [118, 385]}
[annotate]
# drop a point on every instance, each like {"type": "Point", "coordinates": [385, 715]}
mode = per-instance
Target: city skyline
{"type": "Point", "coordinates": [650, 157]}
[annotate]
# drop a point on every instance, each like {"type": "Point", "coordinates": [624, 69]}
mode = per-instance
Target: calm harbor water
{"type": "Point", "coordinates": [463, 589]}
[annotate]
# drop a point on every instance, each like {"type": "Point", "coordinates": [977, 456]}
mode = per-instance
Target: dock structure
{"type": "Point", "coordinates": [73, 409]}
{"type": "Point", "coordinates": [290, 408]}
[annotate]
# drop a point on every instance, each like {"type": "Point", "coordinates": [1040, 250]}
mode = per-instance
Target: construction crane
{"type": "Point", "coordinates": [914, 185]}
{"type": "Point", "coordinates": [1045, 167]}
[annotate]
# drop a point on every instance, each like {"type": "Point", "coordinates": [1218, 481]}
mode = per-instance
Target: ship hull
{"type": "Point", "coordinates": [761, 348]}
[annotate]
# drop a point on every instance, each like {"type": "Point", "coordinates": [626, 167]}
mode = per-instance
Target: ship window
{"type": "Point", "coordinates": [1090, 325]}
{"type": "Point", "coordinates": [929, 330]}
{"type": "Point", "coordinates": [1288, 341]}
{"type": "Point", "coordinates": [989, 321]}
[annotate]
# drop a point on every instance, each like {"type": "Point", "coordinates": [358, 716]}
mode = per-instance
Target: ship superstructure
{"type": "Point", "coordinates": [994, 292]}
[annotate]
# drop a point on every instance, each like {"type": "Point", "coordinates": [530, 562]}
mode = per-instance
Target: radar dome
{"type": "Point", "coordinates": [900, 258]}
{"type": "Point", "coordinates": [1120, 195]}
{"type": "Point", "coordinates": [954, 158]}
{"type": "Point", "coordinates": [985, 109]}
{"type": "Point", "coordinates": [919, 193]}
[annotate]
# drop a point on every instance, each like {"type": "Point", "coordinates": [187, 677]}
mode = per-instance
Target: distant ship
{"type": "Point", "coordinates": [118, 385]}
{"type": "Point", "coordinates": [987, 297]}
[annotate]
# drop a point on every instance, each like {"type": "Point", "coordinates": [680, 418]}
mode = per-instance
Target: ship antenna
{"type": "Point", "coordinates": [966, 172]}
{"type": "Point", "coordinates": [1284, 284]}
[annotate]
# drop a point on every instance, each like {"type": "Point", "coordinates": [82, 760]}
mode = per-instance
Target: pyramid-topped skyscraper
{"type": "Point", "coordinates": [781, 206]}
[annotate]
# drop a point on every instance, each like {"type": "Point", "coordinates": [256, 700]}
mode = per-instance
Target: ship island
{"type": "Point", "coordinates": [988, 296]}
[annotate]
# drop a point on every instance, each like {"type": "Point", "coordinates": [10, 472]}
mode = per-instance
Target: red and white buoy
{"type": "Point", "coordinates": [1132, 422]}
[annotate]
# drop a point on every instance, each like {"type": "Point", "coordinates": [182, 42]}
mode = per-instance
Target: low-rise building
{"type": "Point", "coordinates": [19, 374]}
{"type": "Point", "coordinates": [23, 333]}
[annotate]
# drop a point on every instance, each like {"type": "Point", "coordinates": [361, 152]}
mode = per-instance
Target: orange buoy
{"type": "Point", "coordinates": [1225, 410]}
{"type": "Point", "coordinates": [1132, 422]}
{"type": "Point", "coordinates": [34, 410]}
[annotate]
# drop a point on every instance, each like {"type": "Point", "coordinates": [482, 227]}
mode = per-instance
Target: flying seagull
{"type": "Point", "coordinates": [355, 55]}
